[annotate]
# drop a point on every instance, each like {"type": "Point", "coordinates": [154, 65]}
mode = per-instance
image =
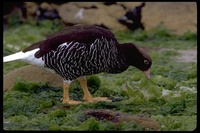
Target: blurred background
{"type": "Point", "coordinates": [178, 16]}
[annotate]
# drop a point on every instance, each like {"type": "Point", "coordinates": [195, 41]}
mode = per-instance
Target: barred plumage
{"type": "Point", "coordinates": [74, 59]}
{"type": "Point", "coordinates": [84, 50]}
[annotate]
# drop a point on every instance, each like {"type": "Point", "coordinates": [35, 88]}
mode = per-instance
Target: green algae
{"type": "Point", "coordinates": [169, 97]}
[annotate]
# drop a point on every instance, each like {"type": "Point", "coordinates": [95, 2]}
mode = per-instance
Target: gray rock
{"type": "Point", "coordinates": [31, 74]}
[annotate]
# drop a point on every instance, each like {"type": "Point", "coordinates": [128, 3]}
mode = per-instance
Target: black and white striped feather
{"type": "Point", "coordinates": [74, 59]}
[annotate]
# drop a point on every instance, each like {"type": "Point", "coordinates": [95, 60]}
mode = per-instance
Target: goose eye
{"type": "Point", "coordinates": [146, 62]}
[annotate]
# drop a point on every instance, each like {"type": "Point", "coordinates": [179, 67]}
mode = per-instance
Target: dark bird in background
{"type": "Point", "coordinates": [83, 50]}
{"type": "Point", "coordinates": [132, 18]}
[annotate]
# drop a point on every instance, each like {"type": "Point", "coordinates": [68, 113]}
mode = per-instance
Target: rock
{"type": "Point", "coordinates": [46, 6]}
{"type": "Point", "coordinates": [31, 8]}
{"type": "Point", "coordinates": [170, 14]}
{"type": "Point", "coordinates": [79, 13]}
{"type": "Point", "coordinates": [177, 16]}
{"type": "Point", "coordinates": [117, 117]}
{"type": "Point", "coordinates": [67, 13]}
{"type": "Point", "coordinates": [31, 74]}
{"type": "Point", "coordinates": [129, 5]}
{"type": "Point", "coordinates": [180, 17]}
{"type": "Point", "coordinates": [85, 5]}
{"type": "Point", "coordinates": [105, 15]}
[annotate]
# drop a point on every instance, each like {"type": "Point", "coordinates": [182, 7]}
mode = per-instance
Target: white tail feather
{"type": "Point", "coordinates": [12, 57]}
{"type": "Point", "coordinates": [26, 57]}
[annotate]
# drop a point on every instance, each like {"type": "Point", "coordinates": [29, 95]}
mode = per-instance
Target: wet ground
{"type": "Point", "coordinates": [187, 55]}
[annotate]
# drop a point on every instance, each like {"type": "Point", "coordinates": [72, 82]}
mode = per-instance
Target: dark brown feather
{"type": "Point", "coordinates": [33, 46]}
{"type": "Point", "coordinates": [82, 33]}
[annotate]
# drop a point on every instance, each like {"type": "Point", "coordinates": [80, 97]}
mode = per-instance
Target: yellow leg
{"type": "Point", "coordinates": [66, 98]}
{"type": "Point", "coordinates": [87, 96]}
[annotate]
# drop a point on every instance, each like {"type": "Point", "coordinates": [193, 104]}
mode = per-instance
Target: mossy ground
{"type": "Point", "coordinates": [170, 97]}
